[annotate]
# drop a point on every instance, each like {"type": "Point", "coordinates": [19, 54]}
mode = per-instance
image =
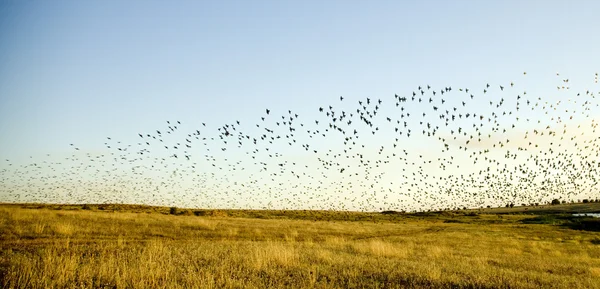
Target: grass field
{"type": "Point", "coordinates": [120, 246]}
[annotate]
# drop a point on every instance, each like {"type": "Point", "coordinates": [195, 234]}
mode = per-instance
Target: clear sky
{"type": "Point", "coordinates": [77, 72]}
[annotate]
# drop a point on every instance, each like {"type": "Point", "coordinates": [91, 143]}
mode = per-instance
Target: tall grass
{"type": "Point", "coordinates": [89, 249]}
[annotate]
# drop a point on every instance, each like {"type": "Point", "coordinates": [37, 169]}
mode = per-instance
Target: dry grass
{"type": "Point", "coordinates": [43, 248]}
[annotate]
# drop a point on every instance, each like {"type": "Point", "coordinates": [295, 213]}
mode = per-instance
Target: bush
{"type": "Point", "coordinates": [544, 219]}
{"type": "Point", "coordinates": [585, 201]}
{"type": "Point", "coordinates": [173, 211]}
{"type": "Point", "coordinates": [453, 221]}
{"type": "Point", "coordinates": [86, 207]}
{"type": "Point", "coordinates": [200, 213]}
{"type": "Point", "coordinates": [389, 212]}
{"type": "Point", "coordinates": [592, 224]}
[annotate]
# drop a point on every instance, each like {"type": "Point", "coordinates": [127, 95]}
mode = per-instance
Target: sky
{"type": "Point", "coordinates": [77, 72]}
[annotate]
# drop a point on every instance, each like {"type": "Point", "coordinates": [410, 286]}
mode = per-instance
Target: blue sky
{"type": "Point", "coordinates": [79, 71]}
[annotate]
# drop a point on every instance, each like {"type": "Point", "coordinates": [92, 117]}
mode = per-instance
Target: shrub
{"type": "Point", "coordinates": [173, 210]}
{"type": "Point", "coordinates": [86, 207]}
{"type": "Point", "coordinates": [585, 201]}
{"type": "Point", "coordinates": [200, 213]}
{"type": "Point", "coordinates": [555, 202]}
{"type": "Point", "coordinates": [544, 219]}
{"type": "Point", "coordinates": [592, 224]}
{"type": "Point", "coordinates": [453, 221]}
{"type": "Point", "coordinates": [390, 212]}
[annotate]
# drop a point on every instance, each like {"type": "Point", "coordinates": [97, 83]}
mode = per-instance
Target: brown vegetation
{"type": "Point", "coordinates": [147, 247]}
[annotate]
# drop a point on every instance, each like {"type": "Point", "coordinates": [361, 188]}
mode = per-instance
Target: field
{"type": "Point", "coordinates": [121, 246]}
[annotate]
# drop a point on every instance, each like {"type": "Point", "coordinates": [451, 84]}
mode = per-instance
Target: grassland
{"type": "Point", "coordinates": [118, 246]}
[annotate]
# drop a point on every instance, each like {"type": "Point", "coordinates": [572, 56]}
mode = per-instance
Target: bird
{"type": "Point", "coordinates": [506, 147]}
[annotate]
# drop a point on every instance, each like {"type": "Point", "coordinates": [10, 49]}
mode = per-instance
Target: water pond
{"type": "Point", "coordinates": [595, 215]}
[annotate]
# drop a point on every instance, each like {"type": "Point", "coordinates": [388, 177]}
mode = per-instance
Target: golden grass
{"type": "Point", "coordinates": [42, 248]}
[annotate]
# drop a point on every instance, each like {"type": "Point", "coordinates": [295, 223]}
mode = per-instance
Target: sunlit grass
{"type": "Point", "coordinates": [44, 248]}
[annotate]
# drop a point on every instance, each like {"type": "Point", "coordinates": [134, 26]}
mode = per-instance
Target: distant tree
{"type": "Point", "coordinates": [556, 202]}
{"type": "Point", "coordinates": [173, 210]}
{"type": "Point", "coordinates": [512, 205]}
{"type": "Point", "coordinates": [564, 202]}
{"type": "Point", "coordinates": [585, 201]}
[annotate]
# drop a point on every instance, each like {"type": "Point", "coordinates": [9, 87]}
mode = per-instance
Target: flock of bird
{"type": "Point", "coordinates": [429, 149]}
